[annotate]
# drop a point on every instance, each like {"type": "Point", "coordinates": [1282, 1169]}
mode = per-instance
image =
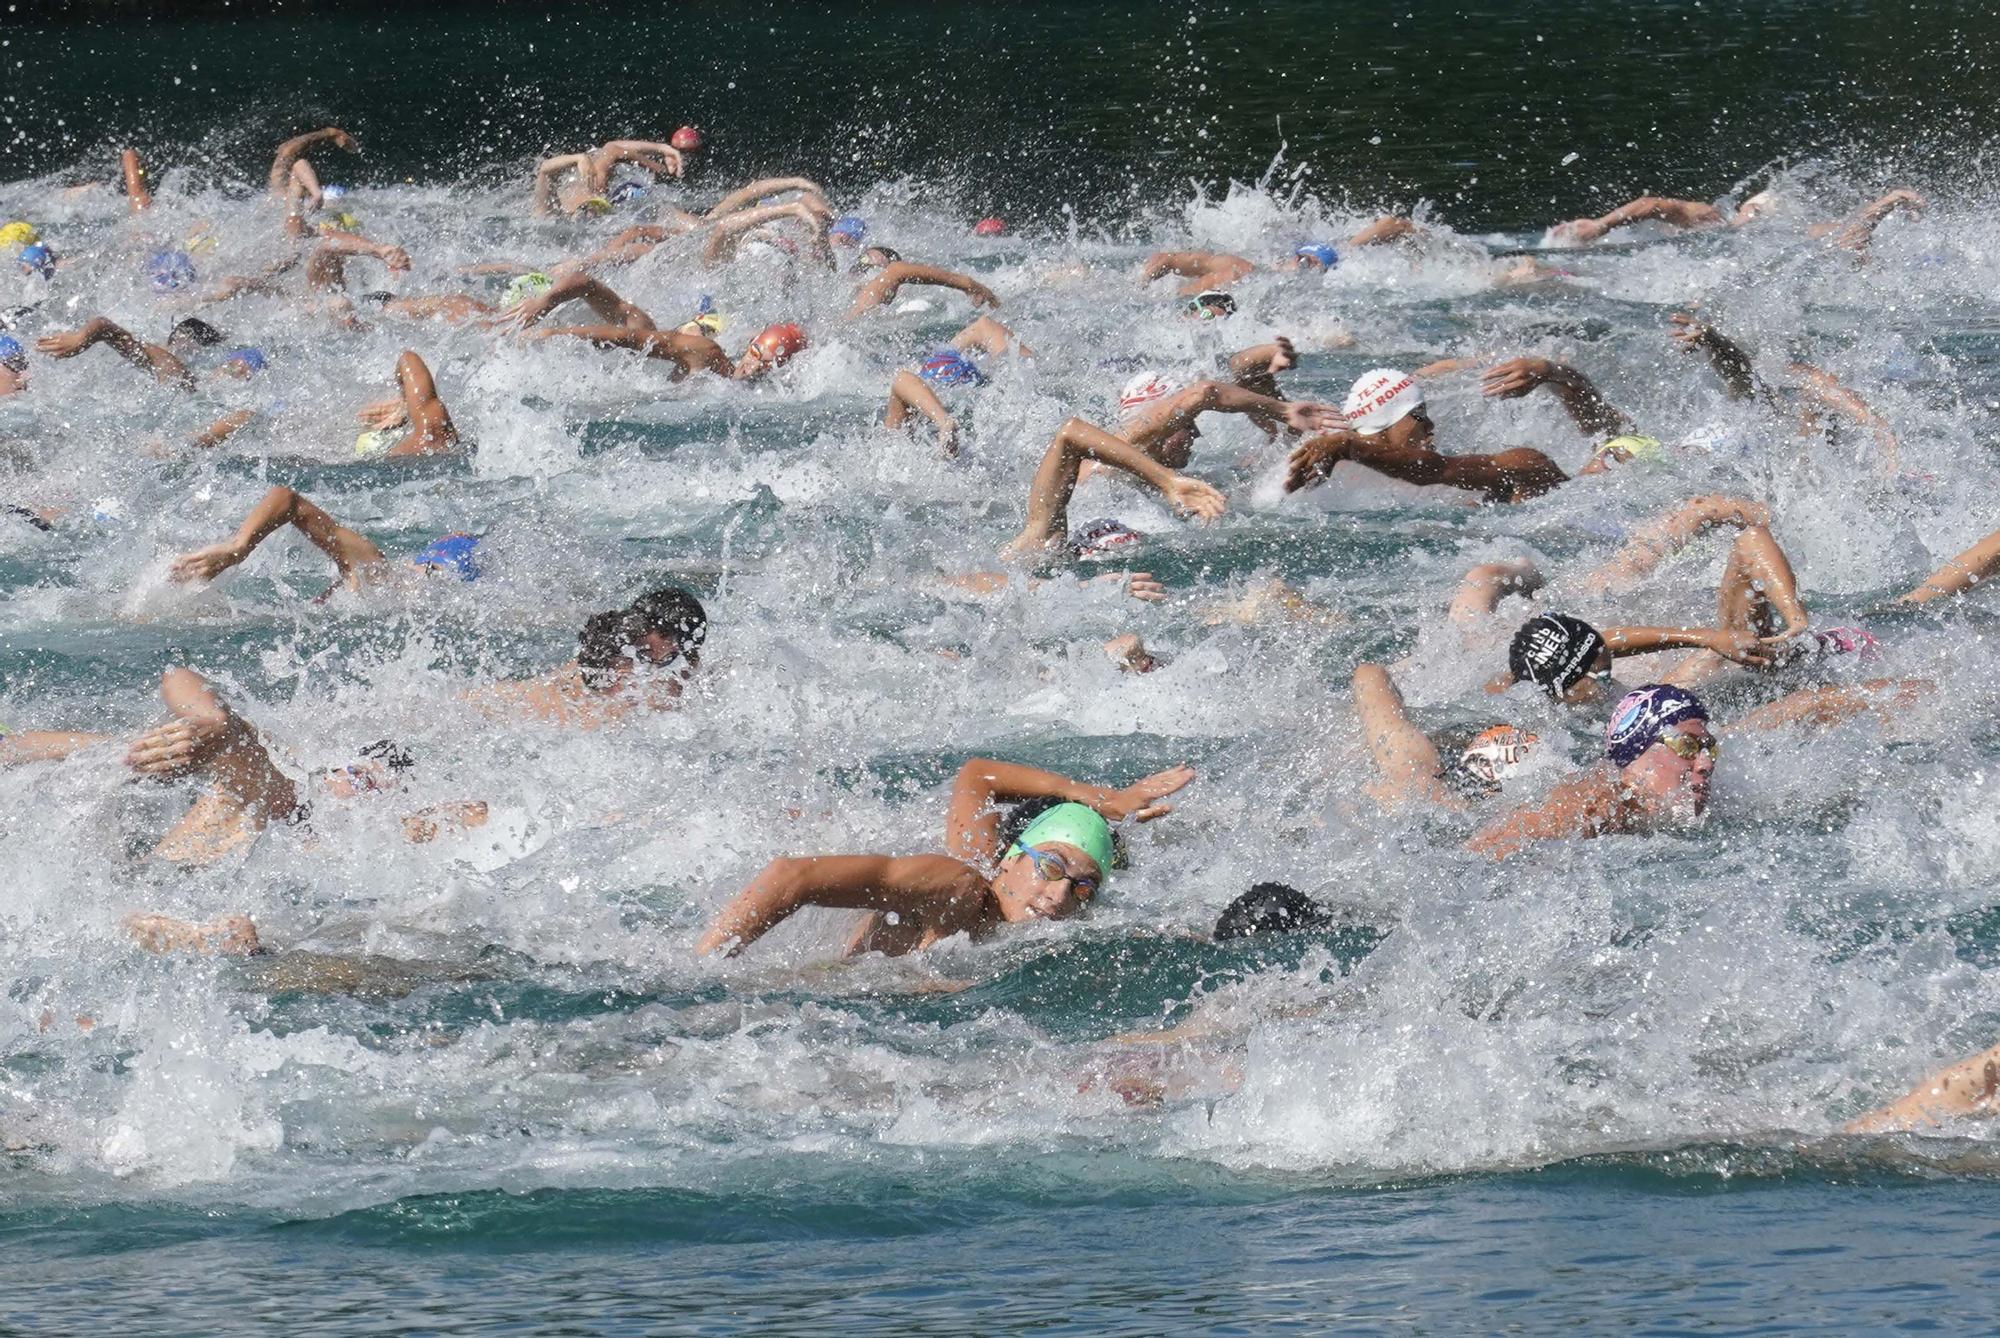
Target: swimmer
{"type": "Point", "coordinates": [640, 657]}
{"type": "Point", "coordinates": [1964, 1090]}
{"type": "Point", "coordinates": [589, 192]}
{"type": "Point", "coordinates": [1049, 872]}
{"type": "Point", "coordinates": [1047, 528]}
{"type": "Point", "coordinates": [1158, 414]}
{"type": "Point", "coordinates": [326, 268]}
{"type": "Point", "coordinates": [624, 325]}
{"type": "Point", "coordinates": [1852, 233]}
{"type": "Point", "coordinates": [728, 235]}
{"type": "Point", "coordinates": [417, 407]}
{"type": "Point", "coordinates": [358, 561]}
{"type": "Point", "coordinates": [640, 240]}
{"type": "Point", "coordinates": [13, 366]}
{"type": "Point", "coordinates": [1199, 270]}
{"type": "Point", "coordinates": [1390, 431]}
{"type": "Point", "coordinates": [162, 363]}
{"type": "Point", "coordinates": [952, 367]}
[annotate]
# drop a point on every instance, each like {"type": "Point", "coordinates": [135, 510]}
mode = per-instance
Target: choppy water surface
{"type": "Point", "coordinates": [1602, 1081]}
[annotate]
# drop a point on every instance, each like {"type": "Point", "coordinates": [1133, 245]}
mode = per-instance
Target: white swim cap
{"type": "Point", "coordinates": [1143, 391]}
{"type": "Point", "coordinates": [1380, 398]}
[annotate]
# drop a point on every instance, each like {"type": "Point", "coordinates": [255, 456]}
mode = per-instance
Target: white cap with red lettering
{"type": "Point", "coordinates": [1380, 398]}
{"type": "Point", "coordinates": [1142, 392]}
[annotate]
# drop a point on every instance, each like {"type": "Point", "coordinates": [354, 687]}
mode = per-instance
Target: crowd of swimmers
{"type": "Point", "coordinates": [1019, 843]}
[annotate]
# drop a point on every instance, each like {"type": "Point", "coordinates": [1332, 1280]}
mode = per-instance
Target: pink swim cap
{"type": "Point", "coordinates": [687, 139]}
{"type": "Point", "coordinates": [989, 227]}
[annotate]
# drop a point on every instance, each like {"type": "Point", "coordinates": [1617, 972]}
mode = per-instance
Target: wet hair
{"type": "Point", "coordinates": [672, 612]}
{"type": "Point", "coordinates": [601, 645]}
{"type": "Point", "coordinates": [889, 254]}
{"type": "Point", "coordinates": [390, 754]}
{"type": "Point", "coordinates": [379, 298]}
{"type": "Point", "coordinates": [193, 331]}
{"type": "Point", "coordinates": [1016, 818]}
{"type": "Point", "coordinates": [1270, 908]}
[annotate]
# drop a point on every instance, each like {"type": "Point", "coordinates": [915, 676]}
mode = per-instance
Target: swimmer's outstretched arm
{"type": "Point", "coordinates": [972, 824]}
{"type": "Point", "coordinates": [598, 296]}
{"type": "Point", "coordinates": [745, 196]}
{"type": "Point", "coordinates": [657, 158]}
{"type": "Point", "coordinates": [294, 148]}
{"type": "Point", "coordinates": [1055, 479]}
{"type": "Point", "coordinates": [1510, 476]}
{"type": "Point", "coordinates": [1658, 540]}
{"type": "Point", "coordinates": [1256, 368]}
{"type": "Point", "coordinates": [910, 393]}
{"type": "Point", "coordinates": [20, 747]}
{"type": "Point", "coordinates": [1202, 269]}
{"type": "Point", "coordinates": [943, 894]}
{"type": "Point", "coordinates": [1585, 805]}
{"type": "Point", "coordinates": [1826, 390]}
{"type": "Point", "coordinates": [1405, 758]}
{"type": "Point", "coordinates": [1858, 229]}
{"type": "Point", "coordinates": [207, 739]}
{"type": "Point", "coordinates": [1181, 410]}
{"type": "Point", "coordinates": [281, 506]}
{"type": "Point", "coordinates": [1583, 401]}
{"type": "Point", "coordinates": [165, 367]}
{"type": "Point", "coordinates": [431, 429]}
{"type": "Point", "coordinates": [544, 201]}
{"type": "Point", "coordinates": [1484, 586]}
{"type": "Point", "coordinates": [1884, 698]}
{"type": "Point", "coordinates": [883, 287]}
{"type": "Point", "coordinates": [634, 243]}
{"type": "Point", "coordinates": [1743, 647]}
{"type": "Point", "coordinates": [136, 194]}
{"type": "Point", "coordinates": [222, 429]}
{"type": "Point", "coordinates": [990, 337]}
{"type": "Point", "coordinates": [1384, 230]}
{"type": "Point", "coordinates": [1729, 359]}
{"type": "Point", "coordinates": [1960, 574]}
{"type": "Point", "coordinates": [1658, 208]}
{"type": "Point", "coordinates": [1967, 1088]}
{"type": "Point", "coordinates": [727, 233]}
{"type": "Point", "coordinates": [327, 268]}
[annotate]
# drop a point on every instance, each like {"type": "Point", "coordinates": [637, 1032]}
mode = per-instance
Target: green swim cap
{"type": "Point", "coordinates": [373, 443]}
{"type": "Point", "coordinates": [522, 287]}
{"type": "Point", "coordinates": [1071, 825]}
{"type": "Point", "coordinates": [1632, 448]}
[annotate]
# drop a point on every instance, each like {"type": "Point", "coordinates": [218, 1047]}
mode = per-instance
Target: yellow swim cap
{"type": "Point", "coordinates": [524, 286]}
{"type": "Point", "coordinates": [373, 443]}
{"type": "Point", "coordinates": [18, 233]}
{"type": "Point", "coordinates": [344, 222]}
{"type": "Point", "coordinates": [1629, 448]}
{"type": "Point", "coordinates": [596, 204]}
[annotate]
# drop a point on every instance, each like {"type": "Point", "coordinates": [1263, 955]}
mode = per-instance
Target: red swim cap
{"type": "Point", "coordinates": [989, 227]}
{"type": "Point", "coordinates": [779, 343]}
{"type": "Point", "coordinates": [687, 139]}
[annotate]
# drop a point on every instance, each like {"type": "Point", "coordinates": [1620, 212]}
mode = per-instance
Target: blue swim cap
{"type": "Point", "coordinates": [38, 258]}
{"type": "Point", "coordinates": [627, 190]}
{"type": "Point", "coordinates": [1325, 255]}
{"type": "Point", "coordinates": [849, 226]}
{"type": "Point", "coordinates": [949, 367]}
{"type": "Point", "coordinates": [455, 552]}
{"type": "Point", "coordinates": [12, 355]}
{"type": "Point", "coordinates": [169, 270]}
{"type": "Point", "coordinates": [329, 191]}
{"type": "Point", "coordinates": [253, 358]}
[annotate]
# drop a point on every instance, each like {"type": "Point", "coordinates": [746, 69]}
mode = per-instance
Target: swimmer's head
{"type": "Point", "coordinates": [340, 222]}
{"type": "Point", "coordinates": [374, 442]}
{"type": "Point", "coordinates": [1316, 255]}
{"type": "Point", "coordinates": [949, 367]}
{"type": "Point", "coordinates": [706, 321]}
{"type": "Point", "coordinates": [12, 356]}
{"type": "Point", "coordinates": [18, 233]}
{"type": "Point", "coordinates": [190, 333]}
{"type": "Point", "coordinates": [243, 363]}
{"type": "Point", "coordinates": [1212, 305]}
{"type": "Point", "coordinates": [37, 259]}
{"type": "Point", "coordinates": [1100, 540]}
{"type": "Point", "coordinates": [1494, 754]}
{"type": "Point", "coordinates": [776, 346]}
{"type": "Point", "coordinates": [1270, 908]}
{"type": "Point", "coordinates": [1056, 865]}
{"type": "Point", "coordinates": [687, 139]}
{"type": "Point", "coordinates": [168, 271]}
{"type": "Point", "coordinates": [1563, 656]}
{"type": "Point", "coordinates": [847, 230]}
{"type": "Point", "coordinates": [330, 191]}
{"type": "Point", "coordinates": [663, 629]}
{"type": "Point", "coordinates": [455, 554]}
{"type": "Point", "coordinates": [990, 227]}
{"type": "Point", "coordinates": [1755, 207]}
{"type": "Point", "coordinates": [596, 206]}
{"type": "Point", "coordinates": [380, 766]}
{"type": "Point", "coordinates": [1142, 392]}
{"type": "Point", "coordinates": [1629, 449]}
{"type": "Point", "coordinates": [627, 191]}
{"type": "Point", "coordinates": [877, 257]}
{"type": "Point", "coordinates": [524, 286]}
{"type": "Point", "coordinates": [1658, 738]}
{"type": "Point", "coordinates": [1383, 398]}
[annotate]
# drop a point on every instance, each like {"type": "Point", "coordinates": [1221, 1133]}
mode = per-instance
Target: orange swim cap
{"type": "Point", "coordinates": [779, 343]}
{"type": "Point", "coordinates": [687, 139]}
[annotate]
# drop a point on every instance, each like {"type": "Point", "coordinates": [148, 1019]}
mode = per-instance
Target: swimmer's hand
{"type": "Point", "coordinates": [1516, 377]}
{"type": "Point", "coordinates": [1580, 231]}
{"type": "Point", "coordinates": [1192, 497]}
{"type": "Point", "coordinates": [1305, 417]}
{"type": "Point", "coordinates": [1750, 651]}
{"type": "Point", "coordinates": [1690, 333]}
{"type": "Point", "coordinates": [1284, 358]}
{"type": "Point", "coordinates": [1140, 801]}
{"type": "Point", "coordinates": [1138, 584]}
{"type": "Point", "coordinates": [67, 344]}
{"type": "Point", "coordinates": [396, 258]}
{"type": "Point", "coordinates": [205, 564]}
{"type": "Point", "coordinates": [181, 746]}
{"type": "Point", "coordinates": [342, 140]}
{"type": "Point", "coordinates": [384, 415]}
{"type": "Point", "coordinates": [1313, 459]}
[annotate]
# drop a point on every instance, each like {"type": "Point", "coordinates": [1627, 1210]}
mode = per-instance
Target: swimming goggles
{"type": "Point", "coordinates": [1049, 867]}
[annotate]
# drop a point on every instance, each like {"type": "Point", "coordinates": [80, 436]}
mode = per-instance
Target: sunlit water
{"type": "Point", "coordinates": [529, 1063]}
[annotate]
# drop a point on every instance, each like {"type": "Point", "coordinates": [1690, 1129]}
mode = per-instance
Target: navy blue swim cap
{"type": "Point", "coordinates": [169, 270]}
{"type": "Point", "coordinates": [12, 356]}
{"type": "Point", "coordinates": [457, 553]}
{"type": "Point", "coordinates": [949, 367]}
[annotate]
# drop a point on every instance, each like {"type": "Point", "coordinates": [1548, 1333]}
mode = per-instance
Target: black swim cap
{"type": "Point", "coordinates": [673, 612]}
{"type": "Point", "coordinates": [1270, 908]}
{"type": "Point", "coordinates": [1554, 651]}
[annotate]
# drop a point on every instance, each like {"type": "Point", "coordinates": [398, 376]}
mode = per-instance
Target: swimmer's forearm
{"type": "Point", "coordinates": [1960, 574]}
{"type": "Point", "coordinates": [44, 745]}
{"type": "Point", "coordinates": [136, 193]}
{"type": "Point", "coordinates": [1586, 405]}
{"type": "Point", "coordinates": [223, 428]}
{"type": "Point", "coordinates": [1645, 640]}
